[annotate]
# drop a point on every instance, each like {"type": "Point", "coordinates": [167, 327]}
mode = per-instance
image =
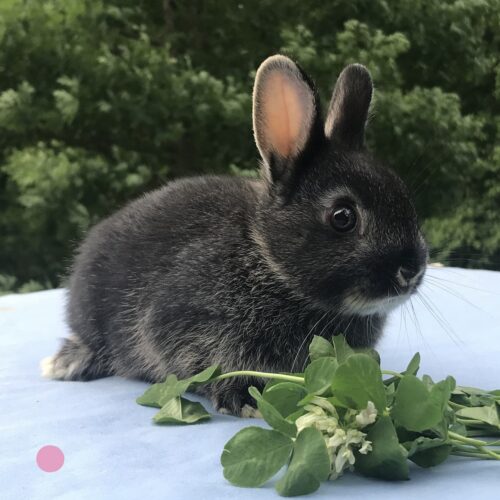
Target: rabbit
{"type": "Point", "coordinates": [241, 272]}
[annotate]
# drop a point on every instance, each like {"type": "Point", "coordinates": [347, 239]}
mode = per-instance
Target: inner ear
{"type": "Point", "coordinates": [348, 110]}
{"type": "Point", "coordinates": [285, 109]}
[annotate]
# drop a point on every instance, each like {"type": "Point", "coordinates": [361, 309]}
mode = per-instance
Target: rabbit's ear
{"type": "Point", "coordinates": [348, 110]}
{"type": "Point", "coordinates": [285, 114]}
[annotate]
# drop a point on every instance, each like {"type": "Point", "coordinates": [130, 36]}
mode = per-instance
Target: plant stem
{"type": "Point", "coordinates": [471, 455]}
{"type": "Point", "coordinates": [480, 445]}
{"type": "Point", "coordinates": [249, 373]}
{"type": "Point", "coordinates": [480, 433]}
{"type": "Point", "coordinates": [470, 441]}
{"type": "Point", "coordinates": [469, 421]}
{"type": "Point", "coordinates": [390, 372]}
{"type": "Point", "coordinates": [467, 449]}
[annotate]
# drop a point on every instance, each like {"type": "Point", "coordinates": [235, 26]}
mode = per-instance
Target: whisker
{"type": "Point", "coordinates": [408, 337]}
{"type": "Point", "coordinates": [320, 334]}
{"type": "Point", "coordinates": [478, 259]}
{"type": "Point", "coordinates": [401, 310]}
{"type": "Point", "coordinates": [428, 276]}
{"type": "Point", "coordinates": [439, 319]}
{"type": "Point", "coordinates": [419, 329]}
{"type": "Point", "coordinates": [309, 334]}
{"type": "Point", "coordinates": [459, 296]}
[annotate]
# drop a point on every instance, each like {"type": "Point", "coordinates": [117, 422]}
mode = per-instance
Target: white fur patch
{"type": "Point", "coordinates": [52, 369]}
{"type": "Point", "coordinates": [365, 307]}
{"type": "Point", "coordinates": [47, 367]}
{"type": "Point", "coordinates": [247, 411]}
{"type": "Point", "coordinates": [250, 412]}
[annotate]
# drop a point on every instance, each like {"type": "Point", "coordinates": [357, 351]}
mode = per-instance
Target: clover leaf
{"type": "Point", "coordinates": [359, 380]}
{"type": "Point", "coordinates": [320, 348]}
{"type": "Point", "coordinates": [254, 455]}
{"type": "Point", "coordinates": [271, 415]}
{"type": "Point", "coordinates": [418, 407]}
{"type": "Point", "coordinates": [159, 394]}
{"type": "Point", "coordinates": [319, 375]}
{"type": "Point", "coordinates": [179, 410]}
{"type": "Point", "coordinates": [428, 452]}
{"type": "Point", "coordinates": [342, 349]}
{"type": "Point", "coordinates": [309, 466]}
{"type": "Point", "coordinates": [349, 414]}
{"type": "Point", "coordinates": [387, 460]}
{"type": "Point", "coordinates": [284, 396]}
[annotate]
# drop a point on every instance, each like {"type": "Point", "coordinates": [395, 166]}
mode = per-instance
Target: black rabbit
{"type": "Point", "coordinates": [240, 272]}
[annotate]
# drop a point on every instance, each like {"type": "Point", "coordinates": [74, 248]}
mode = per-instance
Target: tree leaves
{"type": "Point", "coordinates": [422, 110]}
{"type": "Point", "coordinates": [66, 99]}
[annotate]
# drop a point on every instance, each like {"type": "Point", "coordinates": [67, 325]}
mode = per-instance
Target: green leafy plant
{"type": "Point", "coordinates": [343, 413]}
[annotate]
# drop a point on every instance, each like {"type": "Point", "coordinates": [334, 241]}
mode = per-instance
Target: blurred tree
{"type": "Point", "coordinates": [100, 101]}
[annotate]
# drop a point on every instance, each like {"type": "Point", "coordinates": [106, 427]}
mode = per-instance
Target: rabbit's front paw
{"type": "Point", "coordinates": [234, 400]}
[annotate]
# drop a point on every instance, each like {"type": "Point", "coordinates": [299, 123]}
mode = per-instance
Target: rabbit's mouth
{"type": "Point", "coordinates": [360, 306]}
{"type": "Point", "coordinates": [386, 295]}
{"type": "Point", "coordinates": [359, 302]}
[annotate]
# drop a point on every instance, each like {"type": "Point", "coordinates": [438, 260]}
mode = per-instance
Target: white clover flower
{"type": "Point", "coordinates": [367, 416]}
{"type": "Point", "coordinates": [341, 447]}
{"type": "Point", "coordinates": [342, 439]}
{"type": "Point", "coordinates": [333, 474]}
{"type": "Point", "coordinates": [354, 436]}
{"type": "Point", "coordinates": [350, 415]}
{"type": "Point", "coordinates": [344, 457]}
{"type": "Point", "coordinates": [366, 447]}
{"type": "Point", "coordinates": [307, 420]}
{"type": "Point", "coordinates": [325, 424]}
{"type": "Point", "coordinates": [315, 409]}
{"type": "Point", "coordinates": [337, 439]}
{"type": "Point", "coordinates": [325, 405]}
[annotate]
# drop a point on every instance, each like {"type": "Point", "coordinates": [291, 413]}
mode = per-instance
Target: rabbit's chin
{"type": "Point", "coordinates": [360, 306]}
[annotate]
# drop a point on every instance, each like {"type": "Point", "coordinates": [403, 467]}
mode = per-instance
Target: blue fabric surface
{"type": "Point", "coordinates": [112, 450]}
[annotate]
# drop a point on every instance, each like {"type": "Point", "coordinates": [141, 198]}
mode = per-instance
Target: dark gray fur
{"type": "Point", "coordinates": [238, 272]}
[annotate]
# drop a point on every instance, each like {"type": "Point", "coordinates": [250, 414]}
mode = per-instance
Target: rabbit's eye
{"type": "Point", "coordinates": [343, 218]}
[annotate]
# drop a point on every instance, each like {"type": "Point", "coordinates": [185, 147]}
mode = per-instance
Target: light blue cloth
{"type": "Point", "coordinates": [112, 450]}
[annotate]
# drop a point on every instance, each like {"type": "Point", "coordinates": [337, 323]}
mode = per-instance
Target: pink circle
{"type": "Point", "coordinates": [50, 458]}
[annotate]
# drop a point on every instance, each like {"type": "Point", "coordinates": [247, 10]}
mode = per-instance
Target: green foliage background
{"type": "Point", "coordinates": [102, 100]}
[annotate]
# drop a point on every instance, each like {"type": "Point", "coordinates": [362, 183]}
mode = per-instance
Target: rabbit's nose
{"type": "Point", "coordinates": [405, 275]}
